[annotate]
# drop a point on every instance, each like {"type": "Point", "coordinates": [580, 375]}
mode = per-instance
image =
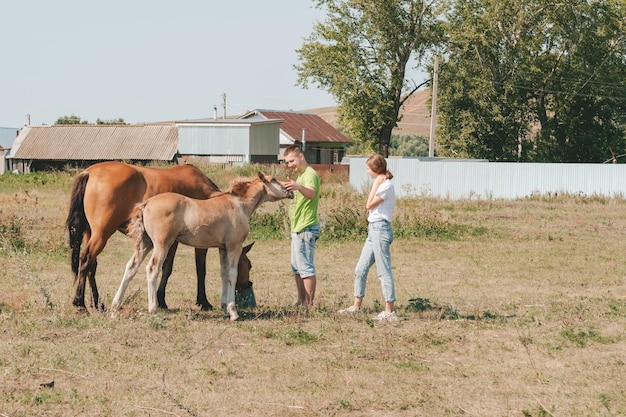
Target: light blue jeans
{"type": "Point", "coordinates": [303, 251]}
{"type": "Point", "coordinates": [376, 249]}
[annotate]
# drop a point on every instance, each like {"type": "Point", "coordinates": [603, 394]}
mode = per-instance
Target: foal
{"type": "Point", "coordinates": [221, 222]}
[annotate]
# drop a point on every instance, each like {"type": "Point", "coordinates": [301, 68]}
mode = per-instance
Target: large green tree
{"type": "Point", "coordinates": [361, 54]}
{"type": "Point", "coordinates": [533, 80]}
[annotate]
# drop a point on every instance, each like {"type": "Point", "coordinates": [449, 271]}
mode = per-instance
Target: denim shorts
{"type": "Point", "coordinates": [303, 251]}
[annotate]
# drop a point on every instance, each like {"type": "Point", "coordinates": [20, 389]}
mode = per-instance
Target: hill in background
{"type": "Point", "coordinates": [415, 115]}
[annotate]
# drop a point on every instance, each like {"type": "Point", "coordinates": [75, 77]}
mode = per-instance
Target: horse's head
{"type": "Point", "coordinates": [243, 269]}
{"type": "Point", "coordinates": [244, 296]}
{"type": "Point", "coordinates": [276, 190]}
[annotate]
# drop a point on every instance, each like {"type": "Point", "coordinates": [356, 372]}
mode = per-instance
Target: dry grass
{"type": "Point", "coordinates": [526, 319]}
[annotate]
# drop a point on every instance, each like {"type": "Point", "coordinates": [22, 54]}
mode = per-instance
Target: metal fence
{"type": "Point", "coordinates": [465, 179]}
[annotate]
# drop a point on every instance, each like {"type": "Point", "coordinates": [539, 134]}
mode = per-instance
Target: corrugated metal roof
{"type": "Point", "coordinates": [97, 142]}
{"type": "Point", "coordinates": [317, 130]}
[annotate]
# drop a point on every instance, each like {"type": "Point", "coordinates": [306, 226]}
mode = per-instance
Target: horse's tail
{"type": "Point", "coordinates": [136, 228]}
{"type": "Point", "coordinates": [76, 222]}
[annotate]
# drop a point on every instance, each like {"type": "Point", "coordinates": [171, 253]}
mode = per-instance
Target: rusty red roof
{"type": "Point", "coordinates": [317, 130]}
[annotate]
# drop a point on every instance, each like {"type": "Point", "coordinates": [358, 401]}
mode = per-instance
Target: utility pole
{"type": "Point", "coordinates": [433, 110]}
{"type": "Point", "coordinates": [224, 105]}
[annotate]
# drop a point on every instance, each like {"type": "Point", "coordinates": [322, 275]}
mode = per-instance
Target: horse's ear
{"type": "Point", "coordinates": [246, 249]}
{"type": "Point", "coordinates": [262, 176]}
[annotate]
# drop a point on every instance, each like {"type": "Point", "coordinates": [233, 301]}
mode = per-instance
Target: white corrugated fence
{"type": "Point", "coordinates": [462, 179]}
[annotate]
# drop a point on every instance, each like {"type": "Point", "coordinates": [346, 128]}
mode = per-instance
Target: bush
{"type": "Point", "coordinates": [270, 225]}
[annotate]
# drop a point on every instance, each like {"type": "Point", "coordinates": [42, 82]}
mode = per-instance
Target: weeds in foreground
{"type": "Point", "coordinates": [11, 235]}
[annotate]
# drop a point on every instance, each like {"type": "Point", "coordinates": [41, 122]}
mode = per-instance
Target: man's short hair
{"type": "Point", "coordinates": [293, 148]}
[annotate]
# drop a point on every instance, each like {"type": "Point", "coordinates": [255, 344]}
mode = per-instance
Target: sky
{"type": "Point", "coordinates": [151, 60]}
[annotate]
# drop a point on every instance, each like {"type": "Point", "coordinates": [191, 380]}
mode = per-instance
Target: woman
{"type": "Point", "coordinates": [380, 205]}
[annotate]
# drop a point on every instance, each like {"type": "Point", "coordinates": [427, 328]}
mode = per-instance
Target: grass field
{"type": "Point", "coordinates": [524, 314]}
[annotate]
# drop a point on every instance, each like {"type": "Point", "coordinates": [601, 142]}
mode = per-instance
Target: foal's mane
{"type": "Point", "coordinates": [240, 188]}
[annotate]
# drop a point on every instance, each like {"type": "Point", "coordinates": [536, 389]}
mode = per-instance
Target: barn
{"type": "Point", "coordinates": [230, 141]}
{"type": "Point", "coordinates": [40, 148]}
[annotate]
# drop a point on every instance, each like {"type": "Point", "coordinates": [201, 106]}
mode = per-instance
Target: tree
{"type": "Point", "coordinates": [76, 120]}
{"type": "Point", "coordinates": [70, 120]}
{"type": "Point", "coordinates": [118, 121]}
{"type": "Point", "coordinates": [533, 80]}
{"type": "Point", "coordinates": [408, 145]}
{"type": "Point", "coordinates": [361, 54]}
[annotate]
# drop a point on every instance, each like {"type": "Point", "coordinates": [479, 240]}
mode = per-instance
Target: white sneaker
{"type": "Point", "coordinates": [349, 310]}
{"type": "Point", "coordinates": [385, 316]}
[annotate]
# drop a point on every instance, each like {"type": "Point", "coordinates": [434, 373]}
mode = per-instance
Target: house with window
{"type": "Point", "coordinates": [321, 142]}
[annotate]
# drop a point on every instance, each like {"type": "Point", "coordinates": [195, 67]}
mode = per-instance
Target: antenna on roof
{"type": "Point", "coordinates": [224, 105]}
{"type": "Point", "coordinates": [214, 112]}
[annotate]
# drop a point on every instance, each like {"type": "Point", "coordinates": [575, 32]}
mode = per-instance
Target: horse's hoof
{"type": "Point", "coordinates": [82, 310]}
{"type": "Point", "coordinates": [205, 306]}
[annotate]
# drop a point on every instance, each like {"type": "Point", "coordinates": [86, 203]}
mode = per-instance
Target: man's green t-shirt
{"type": "Point", "coordinates": [302, 211]}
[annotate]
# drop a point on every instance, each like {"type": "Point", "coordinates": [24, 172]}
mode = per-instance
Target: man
{"type": "Point", "coordinates": [305, 225]}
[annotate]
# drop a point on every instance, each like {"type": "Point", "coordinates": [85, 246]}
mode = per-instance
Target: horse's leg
{"type": "Point", "coordinates": [79, 295]}
{"type": "Point", "coordinates": [168, 266]}
{"type": "Point", "coordinates": [132, 266]}
{"type": "Point", "coordinates": [229, 258]}
{"type": "Point", "coordinates": [153, 269]}
{"type": "Point", "coordinates": [201, 298]}
{"type": "Point", "coordinates": [91, 277]}
{"type": "Point", "coordinates": [95, 241]}
{"type": "Point", "coordinates": [81, 274]}
{"type": "Point", "coordinates": [87, 271]}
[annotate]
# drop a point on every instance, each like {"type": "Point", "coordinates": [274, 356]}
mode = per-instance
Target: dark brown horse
{"type": "Point", "coordinates": [220, 222]}
{"type": "Point", "coordinates": [102, 200]}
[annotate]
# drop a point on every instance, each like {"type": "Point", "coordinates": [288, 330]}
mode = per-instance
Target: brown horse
{"type": "Point", "coordinates": [102, 200]}
{"type": "Point", "coordinates": [221, 222]}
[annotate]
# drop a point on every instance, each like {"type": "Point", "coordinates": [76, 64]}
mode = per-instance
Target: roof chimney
{"type": "Point", "coordinates": [224, 105]}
